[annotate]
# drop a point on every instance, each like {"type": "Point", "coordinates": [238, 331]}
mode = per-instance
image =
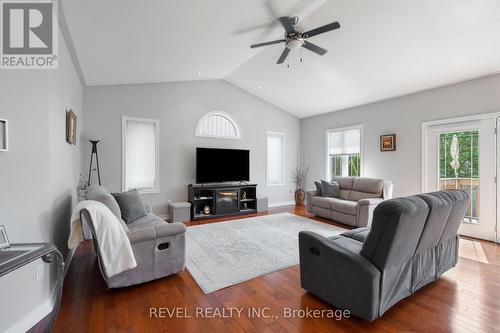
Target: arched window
{"type": "Point", "coordinates": [217, 125]}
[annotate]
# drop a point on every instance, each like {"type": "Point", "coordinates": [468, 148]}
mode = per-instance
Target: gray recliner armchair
{"type": "Point", "coordinates": [411, 243]}
{"type": "Point", "coordinates": [158, 246]}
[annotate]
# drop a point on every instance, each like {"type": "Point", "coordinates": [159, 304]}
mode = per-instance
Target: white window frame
{"type": "Point", "coordinates": [361, 148]}
{"type": "Point", "coordinates": [156, 122]}
{"type": "Point", "coordinates": [282, 134]}
{"type": "Point", "coordinates": [221, 114]}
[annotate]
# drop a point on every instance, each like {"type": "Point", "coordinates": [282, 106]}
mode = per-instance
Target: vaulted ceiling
{"type": "Point", "coordinates": [385, 48]}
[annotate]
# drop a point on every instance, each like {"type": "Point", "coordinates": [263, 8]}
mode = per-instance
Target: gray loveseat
{"type": "Point", "coordinates": [411, 243]}
{"type": "Point", "coordinates": [358, 198]}
{"type": "Point", "coordinates": [158, 246]}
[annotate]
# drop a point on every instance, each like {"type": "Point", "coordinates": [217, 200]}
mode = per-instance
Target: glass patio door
{"type": "Point", "coordinates": [459, 167]}
{"type": "Point", "coordinates": [463, 156]}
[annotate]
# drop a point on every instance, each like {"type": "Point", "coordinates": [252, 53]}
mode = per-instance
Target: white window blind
{"type": "Point", "coordinates": [140, 150]}
{"type": "Point", "coordinates": [343, 152]}
{"type": "Point", "coordinates": [345, 142]}
{"type": "Point", "coordinates": [275, 159]}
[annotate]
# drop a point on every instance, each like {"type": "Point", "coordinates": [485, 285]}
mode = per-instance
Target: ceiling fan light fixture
{"type": "Point", "coordinates": [295, 38]}
{"type": "Point", "coordinates": [295, 44]}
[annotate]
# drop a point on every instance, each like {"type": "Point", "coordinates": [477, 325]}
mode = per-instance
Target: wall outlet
{"type": "Point", "coordinates": [40, 272]}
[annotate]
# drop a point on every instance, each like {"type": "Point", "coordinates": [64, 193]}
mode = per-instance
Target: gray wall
{"type": "Point", "coordinates": [403, 116]}
{"type": "Point", "coordinates": [179, 106]}
{"type": "Point", "coordinates": [38, 175]}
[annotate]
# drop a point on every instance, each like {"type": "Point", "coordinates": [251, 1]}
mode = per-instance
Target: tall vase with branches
{"type": "Point", "coordinates": [299, 177]}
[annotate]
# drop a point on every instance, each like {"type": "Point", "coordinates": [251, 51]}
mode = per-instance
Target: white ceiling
{"type": "Point", "coordinates": [385, 48]}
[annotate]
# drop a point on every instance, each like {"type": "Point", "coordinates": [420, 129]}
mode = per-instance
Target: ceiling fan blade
{"type": "Point", "coordinates": [283, 55]}
{"type": "Point", "coordinates": [268, 43]}
{"type": "Point", "coordinates": [286, 22]}
{"type": "Point", "coordinates": [314, 48]}
{"type": "Point", "coordinates": [320, 30]}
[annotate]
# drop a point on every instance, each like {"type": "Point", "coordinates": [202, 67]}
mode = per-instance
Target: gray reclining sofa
{"type": "Point", "coordinates": [358, 198]}
{"type": "Point", "coordinates": [411, 243]}
{"type": "Point", "coordinates": [158, 246]}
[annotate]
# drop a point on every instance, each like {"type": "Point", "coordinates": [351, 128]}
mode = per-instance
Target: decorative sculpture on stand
{"type": "Point", "coordinates": [94, 152]}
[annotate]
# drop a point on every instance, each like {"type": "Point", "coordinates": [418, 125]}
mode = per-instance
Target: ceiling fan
{"type": "Point", "coordinates": [295, 37]}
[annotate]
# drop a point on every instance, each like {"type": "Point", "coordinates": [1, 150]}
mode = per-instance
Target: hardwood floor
{"type": "Point", "coordinates": [465, 299]}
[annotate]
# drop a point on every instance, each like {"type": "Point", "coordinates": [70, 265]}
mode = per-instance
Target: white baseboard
{"type": "Point", "coordinates": [33, 318]}
{"type": "Point", "coordinates": [283, 203]}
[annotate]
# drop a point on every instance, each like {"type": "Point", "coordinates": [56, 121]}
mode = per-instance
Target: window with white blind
{"type": "Point", "coordinates": [275, 158]}
{"type": "Point", "coordinates": [343, 152]}
{"type": "Point", "coordinates": [140, 147]}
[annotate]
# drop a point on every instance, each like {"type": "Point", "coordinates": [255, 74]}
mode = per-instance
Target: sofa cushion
{"type": "Point", "coordinates": [357, 196]}
{"type": "Point", "coordinates": [345, 194]}
{"type": "Point", "coordinates": [440, 206]}
{"type": "Point", "coordinates": [319, 189]}
{"type": "Point", "coordinates": [339, 205]}
{"type": "Point", "coordinates": [346, 183]}
{"type": "Point", "coordinates": [99, 193]}
{"type": "Point", "coordinates": [131, 205]}
{"type": "Point", "coordinates": [369, 185]}
{"type": "Point", "coordinates": [330, 189]}
{"type": "Point", "coordinates": [343, 206]}
{"type": "Point", "coordinates": [366, 188]}
{"type": "Point", "coordinates": [396, 230]}
{"type": "Point", "coordinates": [323, 202]}
{"type": "Point", "coordinates": [149, 220]}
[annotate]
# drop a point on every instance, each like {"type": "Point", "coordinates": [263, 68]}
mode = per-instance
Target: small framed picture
{"type": "Point", "coordinates": [4, 241]}
{"type": "Point", "coordinates": [4, 135]}
{"type": "Point", "coordinates": [388, 142]}
{"type": "Point", "coordinates": [71, 127]}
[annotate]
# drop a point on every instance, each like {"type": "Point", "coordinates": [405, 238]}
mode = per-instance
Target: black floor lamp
{"type": "Point", "coordinates": [94, 152]}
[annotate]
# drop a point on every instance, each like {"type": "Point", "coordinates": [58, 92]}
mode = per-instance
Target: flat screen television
{"type": "Point", "coordinates": [214, 165]}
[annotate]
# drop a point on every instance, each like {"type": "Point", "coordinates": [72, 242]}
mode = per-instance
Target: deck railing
{"type": "Point", "coordinates": [471, 185]}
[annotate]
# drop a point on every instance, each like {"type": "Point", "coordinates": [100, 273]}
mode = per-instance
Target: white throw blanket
{"type": "Point", "coordinates": [114, 246]}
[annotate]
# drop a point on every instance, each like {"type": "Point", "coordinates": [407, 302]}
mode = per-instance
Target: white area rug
{"type": "Point", "coordinates": [219, 255]}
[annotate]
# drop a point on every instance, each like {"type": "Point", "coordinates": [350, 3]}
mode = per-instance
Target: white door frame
{"type": "Point", "coordinates": [425, 131]}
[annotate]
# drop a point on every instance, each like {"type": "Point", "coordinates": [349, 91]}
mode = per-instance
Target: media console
{"type": "Point", "coordinates": [217, 200]}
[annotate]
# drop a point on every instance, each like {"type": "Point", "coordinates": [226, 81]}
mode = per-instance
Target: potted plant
{"type": "Point", "coordinates": [298, 177]}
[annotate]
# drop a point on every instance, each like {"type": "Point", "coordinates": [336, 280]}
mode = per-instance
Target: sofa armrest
{"type": "Point", "coordinates": [309, 195]}
{"type": "Point", "coordinates": [358, 234]}
{"type": "Point", "coordinates": [364, 211]}
{"type": "Point", "coordinates": [338, 275]}
{"type": "Point", "coordinates": [163, 230]}
{"type": "Point", "coordinates": [371, 201]}
{"type": "Point", "coordinates": [388, 188]}
{"type": "Point", "coordinates": [312, 193]}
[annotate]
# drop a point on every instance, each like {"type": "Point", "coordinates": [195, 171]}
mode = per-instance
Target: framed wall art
{"type": "Point", "coordinates": [388, 142]}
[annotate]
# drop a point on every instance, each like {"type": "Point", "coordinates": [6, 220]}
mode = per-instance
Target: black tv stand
{"type": "Point", "coordinates": [218, 200]}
